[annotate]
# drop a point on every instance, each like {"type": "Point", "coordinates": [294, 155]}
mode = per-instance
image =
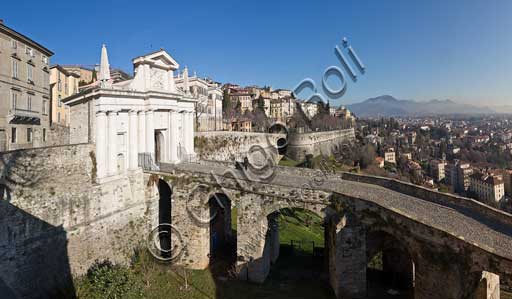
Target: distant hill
{"type": "Point", "coordinates": [387, 106]}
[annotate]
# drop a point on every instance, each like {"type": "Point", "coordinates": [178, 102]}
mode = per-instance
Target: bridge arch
{"type": "Point", "coordinates": [222, 231]}
{"type": "Point", "coordinates": [390, 263]}
{"type": "Point", "coordinates": [164, 216]}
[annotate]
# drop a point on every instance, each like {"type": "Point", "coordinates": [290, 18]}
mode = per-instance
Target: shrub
{"type": "Point", "coordinates": [108, 281]}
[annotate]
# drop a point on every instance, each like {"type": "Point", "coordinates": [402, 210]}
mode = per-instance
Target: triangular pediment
{"type": "Point", "coordinates": [159, 58]}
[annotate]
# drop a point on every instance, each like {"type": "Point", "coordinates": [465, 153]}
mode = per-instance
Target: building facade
{"type": "Point", "coordinates": [62, 85]}
{"type": "Point", "coordinates": [487, 188]}
{"type": "Point", "coordinates": [86, 74]}
{"type": "Point", "coordinates": [141, 121]}
{"type": "Point", "coordinates": [24, 91]}
{"type": "Point", "coordinates": [209, 100]}
{"type": "Point", "coordinates": [457, 175]}
{"type": "Point", "coordinates": [437, 171]}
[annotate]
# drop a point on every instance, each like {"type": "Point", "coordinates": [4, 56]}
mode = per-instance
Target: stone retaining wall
{"type": "Point", "coordinates": [55, 220]}
{"type": "Point", "coordinates": [231, 146]}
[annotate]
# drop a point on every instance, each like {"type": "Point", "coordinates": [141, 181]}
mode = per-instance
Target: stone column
{"type": "Point", "coordinates": [101, 144]}
{"type": "Point", "coordinates": [173, 136]}
{"type": "Point", "coordinates": [141, 144]}
{"type": "Point", "coordinates": [190, 133]}
{"type": "Point", "coordinates": [150, 134]}
{"type": "Point", "coordinates": [253, 250]}
{"type": "Point", "coordinates": [133, 136]}
{"type": "Point", "coordinates": [273, 224]}
{"type": "Point", "coordinates": [112, 140]}
{"type": "Point", "coordinates": [181, 134]}
{"type": "Point", "coordinates": [350, 259]}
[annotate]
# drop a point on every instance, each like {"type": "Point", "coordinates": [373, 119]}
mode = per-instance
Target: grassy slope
{"type": "Point", "coordinates": [300, 225]}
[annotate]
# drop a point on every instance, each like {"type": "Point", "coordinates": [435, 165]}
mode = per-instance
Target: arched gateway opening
{"type": "Point", "coordinates": [296, 254]}
{"type": "Point", "coordinates": [222, 223]}
{"type": "Point", "coordinates": [164, 217]}
{"type": "Point", "coordinates": [390, 270]}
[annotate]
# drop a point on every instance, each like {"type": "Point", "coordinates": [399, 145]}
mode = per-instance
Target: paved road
{"type": "Point", "coordinates": [468, 225]}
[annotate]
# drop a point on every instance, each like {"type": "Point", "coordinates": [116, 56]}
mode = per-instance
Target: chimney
{"type": "Point", "coordinates": [1, 21]}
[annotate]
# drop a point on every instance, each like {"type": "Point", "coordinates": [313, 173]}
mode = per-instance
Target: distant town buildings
{"type": "Point", "coordinates": [309, 108]}
{"type": "Point", "coordinates": [24, 90]}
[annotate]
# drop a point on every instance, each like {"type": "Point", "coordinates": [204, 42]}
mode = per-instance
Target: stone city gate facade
{"type": "Point", "coordinates": [441, 266]}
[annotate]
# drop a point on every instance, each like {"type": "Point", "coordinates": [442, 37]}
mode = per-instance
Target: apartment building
{"type": "Point", "coordinates": [283, 108]}
{"type": "Point", "coordinates": [62, 84]}
{"type": "Point", "coordinates": [243, 98]}
{"type": "Point", "coordinates": [437, 171]}
{"type": "Point", "coordinates": [24, 91]}
{"type": "Point", "coordinates": [488, 188]}
{"type": "Point", "coordinates": [209, 100]}
{"type": "Point", "coordinates": [457, 175]}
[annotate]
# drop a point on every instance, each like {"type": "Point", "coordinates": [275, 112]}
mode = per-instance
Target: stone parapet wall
{"type": "Point", "coordinates": [57, 220]}
{"type": "Point", "coordinates": [434, 196]}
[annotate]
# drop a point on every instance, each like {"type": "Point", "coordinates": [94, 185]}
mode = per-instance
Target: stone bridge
{"type": "Point", "coordinates": [57, 219]}
{"type": "Point", "coordinates": [447, 246]}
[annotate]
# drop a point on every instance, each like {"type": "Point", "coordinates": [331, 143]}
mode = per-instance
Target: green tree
{"type": "Point", "coordinates": [94, 76]}
{"type": "Point", "coordinates": [226, 101]}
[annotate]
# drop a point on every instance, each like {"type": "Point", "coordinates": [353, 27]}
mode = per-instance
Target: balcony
{"type": "Point", "coordinates": [24, 117]}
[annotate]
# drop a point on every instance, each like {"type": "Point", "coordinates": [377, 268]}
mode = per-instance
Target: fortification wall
{"type": "Point", "coordinates": [55, 220]}
{"type": "Point", "coordinates": [317, 143]}
{"type": "Point", "coordinates": [231, 146]}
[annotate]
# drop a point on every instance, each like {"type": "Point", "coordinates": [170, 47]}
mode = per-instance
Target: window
{"type": "Point", "coordinates": [13, 135]}
{"type": "Point", "coordinates": [29, 134]}
{"type": "Point", "coordinates": [14, 99]}
{"type": "Point", "coordinates": [46, 80]}
{"type": "Point", "coordinates": [44, 59]}
{"type": "Point", "coordinates": [60, 101]}
{"type": "Point", "coordinates": [29, 51]}
{"type": "Point", "coordinates": [58, 117]}
{"type": "Point", "coordinates": [59, 85]}
{"type": "Point", "coordinates": [44, 134]}
{"type": "Point", "coordinates": [14, 68]}
{"type": "Point", "coordinates": [29, 71]}
{"type": "Point", "coordinates": [14, 44]}
{"type": "Point", "coordinates": [45, 109]}
{"type": "Point", "coordinates": [29, 102]}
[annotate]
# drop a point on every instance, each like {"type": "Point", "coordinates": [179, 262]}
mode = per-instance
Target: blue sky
{"type": "Point", "coordinates": [435, 49]}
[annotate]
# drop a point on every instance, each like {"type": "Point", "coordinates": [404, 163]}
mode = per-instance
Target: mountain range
{"type": "Point", "coordinates": [386, 106]}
